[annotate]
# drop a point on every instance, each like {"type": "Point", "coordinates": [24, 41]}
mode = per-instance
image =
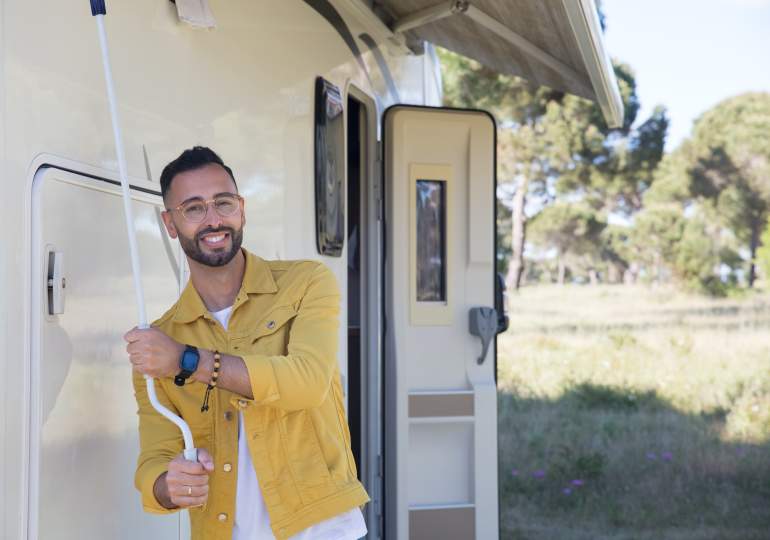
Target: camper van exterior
{"type": "Point", "coordinates": [328, 113]}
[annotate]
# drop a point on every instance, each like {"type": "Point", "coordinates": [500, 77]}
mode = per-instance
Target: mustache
{"type": "Point", "coordinates": [210, 230]}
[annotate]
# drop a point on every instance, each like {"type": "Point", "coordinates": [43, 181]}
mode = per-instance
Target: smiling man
{"type": "Point", "coordinates": [248, 357]}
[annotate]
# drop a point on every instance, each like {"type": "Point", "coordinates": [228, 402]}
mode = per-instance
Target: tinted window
{"type": "Point", "coordinates": [431, 241]}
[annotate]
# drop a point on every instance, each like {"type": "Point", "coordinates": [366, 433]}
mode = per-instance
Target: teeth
{"type": "Point", "coordinates": [214, 239]}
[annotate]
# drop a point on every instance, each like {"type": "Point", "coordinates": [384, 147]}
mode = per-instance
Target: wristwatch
{"type": "Point", "coordinates": [188, 363]}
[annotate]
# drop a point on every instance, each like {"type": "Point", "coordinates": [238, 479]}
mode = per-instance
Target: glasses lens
{"type": "Point", "coordinates": [226, 205]}
{"type": "Point", "coordinates": [194, 211]}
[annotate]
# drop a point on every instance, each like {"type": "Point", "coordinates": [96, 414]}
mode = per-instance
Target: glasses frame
{"type": "Point", "coordinates": [209, 204]}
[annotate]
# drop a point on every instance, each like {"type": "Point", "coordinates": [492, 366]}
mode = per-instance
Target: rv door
{"type": "Point", "coordinates": [441, 402]}
{"type": "Point", "coordinates": [83, 425]}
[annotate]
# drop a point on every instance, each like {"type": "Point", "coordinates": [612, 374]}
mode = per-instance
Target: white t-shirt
{"type": "Point", "coordinates": [252, 521]}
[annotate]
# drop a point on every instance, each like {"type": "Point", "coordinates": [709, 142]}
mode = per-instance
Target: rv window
{"type": "Point", "coordinates": [329, 169]}
{"type": "Point", "coordinates": [431, 241]}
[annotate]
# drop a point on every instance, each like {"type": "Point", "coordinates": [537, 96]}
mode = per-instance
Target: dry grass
{"type": "Point", "coordinates": [656, 402]}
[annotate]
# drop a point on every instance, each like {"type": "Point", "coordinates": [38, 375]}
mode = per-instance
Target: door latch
{"type": "Point", "coordinates": [482, 322]}
{"type": "Point", "coordinates": [56, 282]}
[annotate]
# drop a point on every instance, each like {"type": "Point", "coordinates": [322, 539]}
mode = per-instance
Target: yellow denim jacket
{"type": "Point", "coordinates": [284, 325]}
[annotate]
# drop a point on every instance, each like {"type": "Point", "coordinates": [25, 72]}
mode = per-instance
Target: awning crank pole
{"type": "Point", "coordinates": [98, 10]}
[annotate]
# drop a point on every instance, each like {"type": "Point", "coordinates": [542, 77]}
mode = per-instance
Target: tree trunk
{"type": "Point", "coordinates": [593, 276]}
{"type": "Point", "coordinates": [754, 244]}
{"type": "Point", "coordinates": [562, 269]}
{"type": "Point", "coordinates": [518, 225]}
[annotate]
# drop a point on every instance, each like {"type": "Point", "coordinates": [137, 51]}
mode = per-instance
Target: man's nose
{"type": "Point", "coordinates": [213, 219]}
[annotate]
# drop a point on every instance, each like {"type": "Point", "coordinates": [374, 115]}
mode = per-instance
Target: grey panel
{"type": "Point", "coordinates": [421, 406]}
{"type": "Point", "coordinates": [444, 523]}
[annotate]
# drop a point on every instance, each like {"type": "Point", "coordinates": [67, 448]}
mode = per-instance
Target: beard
{"type": "Point", "coordinates": [217, 257]}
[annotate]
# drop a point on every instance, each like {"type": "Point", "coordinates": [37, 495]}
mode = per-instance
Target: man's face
{"type": "Point", "coordinates": [215, 240]}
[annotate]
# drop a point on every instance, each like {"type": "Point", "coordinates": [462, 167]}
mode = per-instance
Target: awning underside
{"type": "Point", "coordinates": [533, 39]}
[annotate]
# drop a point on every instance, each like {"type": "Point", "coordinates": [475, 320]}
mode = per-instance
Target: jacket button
{"type": "Point", "coordinates": [271, 325]}
{"type": "Point", "coordinates": [227, 467]}
{"type": "Point", "coordinates": [222, 517]}
{"type": "Point", "coordinates": [228, 415]}
{"type": "Point", "coordinates": [242, 403]}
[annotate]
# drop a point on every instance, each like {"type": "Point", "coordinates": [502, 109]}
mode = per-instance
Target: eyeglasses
{"type": "Point", "coordinates": [195, 210]}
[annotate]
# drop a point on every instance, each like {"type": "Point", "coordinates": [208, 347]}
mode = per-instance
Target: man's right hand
{"type": "Point", "coordinates": [186, 483]}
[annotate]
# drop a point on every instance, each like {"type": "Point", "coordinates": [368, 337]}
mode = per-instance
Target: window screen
{"type": "Point", "coordinates": [431, 240]}
{"type": "Point", "coordinates": [329, 169]}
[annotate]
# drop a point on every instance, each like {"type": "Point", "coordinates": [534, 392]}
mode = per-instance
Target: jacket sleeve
{"type": "Point", "coordinates": [160, 442]}
{"type": "Point", "coordinates": [302, 378]}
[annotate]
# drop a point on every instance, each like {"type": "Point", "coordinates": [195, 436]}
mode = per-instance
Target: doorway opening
{"type": "Point", "coordinates": [363, 300]}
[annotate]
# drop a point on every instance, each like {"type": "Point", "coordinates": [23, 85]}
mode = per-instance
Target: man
{"type": "Point", "coordinates": [247, 356]}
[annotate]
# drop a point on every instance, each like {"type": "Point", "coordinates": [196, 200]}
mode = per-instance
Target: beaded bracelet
{"type": "Point", "coordinates": [213, 382]}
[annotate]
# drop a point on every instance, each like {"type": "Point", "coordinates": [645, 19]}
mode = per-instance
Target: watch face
{"type": "Point", "coordinates": [189, 361]}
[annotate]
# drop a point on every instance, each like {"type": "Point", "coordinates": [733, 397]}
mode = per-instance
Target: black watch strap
{"type": "Point", "coordinates": [188, 363]}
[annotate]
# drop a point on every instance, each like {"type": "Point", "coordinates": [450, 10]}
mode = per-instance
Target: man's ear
{"type": "Point", "coordinates": [169, 223]}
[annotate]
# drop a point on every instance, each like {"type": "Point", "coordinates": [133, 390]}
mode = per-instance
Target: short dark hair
{"type": "Point", "coordinates": [190, 160]}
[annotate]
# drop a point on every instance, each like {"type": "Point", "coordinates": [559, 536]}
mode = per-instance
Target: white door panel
{"type": "Point", "coordinates": [84, 439]}
{"type": "Point", "coordinates": [441, 407]}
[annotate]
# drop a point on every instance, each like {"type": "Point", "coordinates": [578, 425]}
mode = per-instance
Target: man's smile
{"type": "Point", "coordinates": [216, 239]}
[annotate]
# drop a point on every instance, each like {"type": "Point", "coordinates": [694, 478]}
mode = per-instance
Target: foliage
{"type": "Point", "coordinates": [724, 168]}
{"type": "Point", "coordinates": [763, 253]}
{"type": "Point", "coordinates": [554, 145]}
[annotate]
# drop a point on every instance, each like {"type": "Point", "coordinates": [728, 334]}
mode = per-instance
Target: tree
{"type": "Point", "coordinates": [551, 143]}
{"type": "Point", "coordinates": [573, 230]}
{"type": "Point", "coordinates": [728, 163]}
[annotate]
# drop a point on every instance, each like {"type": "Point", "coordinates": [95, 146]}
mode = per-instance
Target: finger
{"type": "Point", "coordinates": [136, 359]}
{"type": "Point", "coordinates": [133, 347]}
{"type": "Point", "coordinates": [132, 335]}
{"type": "Point", "coordinates": [185, 479]}
{"type": "Point", "coordinates": [188, 491]}
{"type": "Point", "coordinates": [205, 459]}
{"type": "Point", "coordinates": [188, 467]}
{"type": "Point", "coordinates": [188, 502]}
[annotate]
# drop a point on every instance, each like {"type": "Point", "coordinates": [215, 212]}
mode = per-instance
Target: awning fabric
{"type": "Point", "coordinates": [554, 43]}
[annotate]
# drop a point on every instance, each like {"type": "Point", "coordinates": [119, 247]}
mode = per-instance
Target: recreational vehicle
{"type": "Point", "coordinates": [329, 113]}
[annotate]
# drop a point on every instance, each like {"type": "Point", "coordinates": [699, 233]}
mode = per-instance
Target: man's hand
{"type": "Point", "coordinates": [153, 353]}
{"type": "Point", "coordinates": [186, 483]}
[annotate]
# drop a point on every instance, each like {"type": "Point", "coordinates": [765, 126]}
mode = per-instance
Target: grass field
{"type": "Point", "coordinates": [634, 413]}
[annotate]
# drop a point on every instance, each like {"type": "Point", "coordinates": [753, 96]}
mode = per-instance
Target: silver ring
{"type": "Point", "coordinates": [189, 490]}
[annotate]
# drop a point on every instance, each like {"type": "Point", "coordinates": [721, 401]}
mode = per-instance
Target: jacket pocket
{"type": "Point", "coordinates": [304, 456]}
{"type": "Point", "coordinates": [272, 333]}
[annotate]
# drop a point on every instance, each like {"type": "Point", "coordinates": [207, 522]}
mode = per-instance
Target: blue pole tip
{"type": "Point", "coordinates": [98, 8]}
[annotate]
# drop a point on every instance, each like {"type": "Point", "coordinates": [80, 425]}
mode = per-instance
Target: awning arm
{"type": "Point", "coordinates": [429, 15]}
{"type": "Point", "coordinates": [464, 7]}
{"type": "Point", "coordinates": [373, 25]}
{"type": "Point", "coordinates": [584, 21]}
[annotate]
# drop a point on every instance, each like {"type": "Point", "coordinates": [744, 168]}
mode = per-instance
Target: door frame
{"type": "Point", "coordinates": [371, 312]}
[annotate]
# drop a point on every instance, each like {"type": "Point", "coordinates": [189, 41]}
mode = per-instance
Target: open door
{"type": "Point", "coordinates": [440, 392]}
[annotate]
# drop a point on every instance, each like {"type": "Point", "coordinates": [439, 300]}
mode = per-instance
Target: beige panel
{"type": "Point", "coordinates": [440, 405]}
{"type": "Point", "coordinates": [444, 523]}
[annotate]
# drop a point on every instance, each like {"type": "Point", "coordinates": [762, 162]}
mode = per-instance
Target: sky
{"type": "Point", "coordinates": [690, 54]}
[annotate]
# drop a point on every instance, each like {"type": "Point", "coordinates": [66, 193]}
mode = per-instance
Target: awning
{"type": "Point", "coordinates": [554, 43]}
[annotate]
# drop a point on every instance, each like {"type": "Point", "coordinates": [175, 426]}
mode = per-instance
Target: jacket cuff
{"type": "Point", "coordinates": [264, 385]}
{"type": "Point", "coordinates": [146, 484]}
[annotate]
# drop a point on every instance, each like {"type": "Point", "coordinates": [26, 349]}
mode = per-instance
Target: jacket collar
{"type": "Point", "coordinates": [257, 279]}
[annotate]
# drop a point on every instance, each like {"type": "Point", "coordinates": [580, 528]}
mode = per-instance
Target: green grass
{"type": "Point", "coordinates": [634, 413]}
